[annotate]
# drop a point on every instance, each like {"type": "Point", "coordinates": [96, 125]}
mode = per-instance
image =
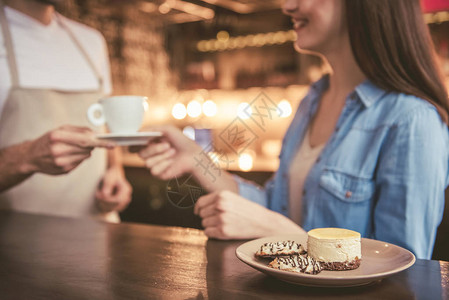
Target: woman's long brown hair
{"type": "Point", "coordinates": [392, 46]}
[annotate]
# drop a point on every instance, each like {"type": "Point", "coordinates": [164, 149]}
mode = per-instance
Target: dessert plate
{"type": "Point", "coordinates": [379, 260]}
{"type": "Point", "coordinates": [130, 139]}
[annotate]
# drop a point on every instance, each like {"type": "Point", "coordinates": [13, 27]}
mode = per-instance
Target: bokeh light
{"type": "Point", "coordinates": [179, 111]}
{"type": "Point", "coordinates": [194, 109]}
{"type": "Point", "coordinates": [284, 109]}
{"type": "Point", "coordinates": [209, 108]}
{"type": "Point", "coordinates": [244, 111]}
{"type": "Point", "coordinates": [189, 132]}
{"type": "Point", "coordinates": [245, 162]}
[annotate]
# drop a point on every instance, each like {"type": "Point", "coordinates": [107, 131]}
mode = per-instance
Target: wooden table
{"type": "Point", "coordinates": [45, 257]}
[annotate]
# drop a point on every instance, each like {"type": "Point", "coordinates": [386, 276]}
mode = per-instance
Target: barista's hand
{"type": "Point", "coordinates": [61, 150]}
{"type": "Point", "coordinates": [114, 192]}
{"type": "Point", "coordinates": [226, 215]}
{"type": "Point", "coordinates": [171, 156]}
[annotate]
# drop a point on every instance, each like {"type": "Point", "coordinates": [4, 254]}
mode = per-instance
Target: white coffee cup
{"type": "Point", "coordinates": [121, 114]}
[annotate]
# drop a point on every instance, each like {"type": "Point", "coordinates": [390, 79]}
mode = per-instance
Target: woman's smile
{"type": "Point", "coordinates": [299, 24]}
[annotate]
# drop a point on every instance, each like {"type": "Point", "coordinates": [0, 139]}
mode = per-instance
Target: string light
{"type": "Point", "coordinates": [438, 17]}
{"type": "Point", "coordinates": [224, 42]}
{"type": "Point", "coordinates": [223, 36]}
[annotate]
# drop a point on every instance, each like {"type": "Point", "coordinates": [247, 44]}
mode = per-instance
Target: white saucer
{"type": "Point", "coordinates": [130, 139]}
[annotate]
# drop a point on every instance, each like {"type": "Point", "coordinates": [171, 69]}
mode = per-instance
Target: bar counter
{"type": "Point", "coordinates": [43, 257]}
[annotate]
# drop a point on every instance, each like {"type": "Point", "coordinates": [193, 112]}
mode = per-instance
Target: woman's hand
{"type": "Point", "coordinates": [226, 215]}
{"type": "Point", "coordinates": [61, 150]}
{"type": "Point", "coordinates": [175, 155]}
{"type": "Point", "coordinates": [171, 156]}
{"type": "Point", "coordinates": [114, 191]}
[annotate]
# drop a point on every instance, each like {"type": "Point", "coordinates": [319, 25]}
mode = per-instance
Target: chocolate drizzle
{"type": "Point", "coordinates": [280, 248]}
{"type": "Point", "coordinates": [297, 263]}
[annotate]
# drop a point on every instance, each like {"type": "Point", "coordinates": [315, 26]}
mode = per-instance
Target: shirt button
{"type": "Point", "coordinates": [304, 192]}
{"type": "Point", "coordinates": [284, 208]}
{"type": "Point", "coordinates": [348, 194]}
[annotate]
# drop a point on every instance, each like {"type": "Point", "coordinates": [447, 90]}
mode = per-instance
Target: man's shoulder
{"type": "Point", "coordinates": [81, 30]}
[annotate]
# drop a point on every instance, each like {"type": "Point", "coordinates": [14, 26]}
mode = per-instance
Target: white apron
{"type": "Point", "coordinates": [29, 113]}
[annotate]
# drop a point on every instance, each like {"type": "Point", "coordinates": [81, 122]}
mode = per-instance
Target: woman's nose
{"type": "Point", "coordinates": [289, 6]}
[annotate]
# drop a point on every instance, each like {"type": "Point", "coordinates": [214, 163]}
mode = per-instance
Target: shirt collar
{"type": "Point", "coordinates": [368, 92]}
{"type": "Point", "coordinates": [322, 84]}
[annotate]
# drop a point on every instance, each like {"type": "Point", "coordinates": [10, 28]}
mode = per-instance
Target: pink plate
{"type": "Point", "coordinates": [379, 260]}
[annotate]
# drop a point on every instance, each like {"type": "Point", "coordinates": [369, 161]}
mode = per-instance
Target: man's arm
{"type": "Point", "coordinates": [13, 165]}
{"type": "Point", "coordinates": [114, 192]}
{"type": "Point", "coordinates": [56, 152]}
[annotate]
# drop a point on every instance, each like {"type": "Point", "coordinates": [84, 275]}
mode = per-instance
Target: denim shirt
{"type": "Point", "coordinates": [382, 172]}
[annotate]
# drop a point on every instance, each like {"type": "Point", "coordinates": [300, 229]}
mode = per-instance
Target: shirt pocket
{"type": "Point", "coordinates": [346, 187]}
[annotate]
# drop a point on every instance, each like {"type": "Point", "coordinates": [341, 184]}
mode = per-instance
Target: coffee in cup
{"type": "Point", "coordinates": [121, 114]}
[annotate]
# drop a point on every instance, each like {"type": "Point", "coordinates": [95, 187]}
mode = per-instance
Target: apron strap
{"type": "Point", "coordinates": [9, 47]}
{"type": "Point", "coordinates": [83, 52]}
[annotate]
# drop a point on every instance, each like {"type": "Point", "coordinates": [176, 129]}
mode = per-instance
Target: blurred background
{"type": "Point", "coordinates": [202, 63]}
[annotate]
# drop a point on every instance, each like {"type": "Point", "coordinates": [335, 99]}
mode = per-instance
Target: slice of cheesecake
{"type": "Point", "coordinates": [336, 249]}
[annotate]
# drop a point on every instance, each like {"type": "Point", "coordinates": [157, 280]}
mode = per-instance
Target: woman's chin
{"type": "Point", "coordinates": [303, 49]}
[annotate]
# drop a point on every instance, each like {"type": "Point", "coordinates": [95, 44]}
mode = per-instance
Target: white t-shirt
{"type": "Point", "coordinates": [46, 56]}
{"type": "Point", "coordinates": [300, 167]}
